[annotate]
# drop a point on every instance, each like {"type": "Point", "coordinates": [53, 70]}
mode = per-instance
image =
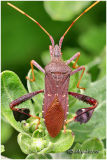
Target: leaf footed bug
{"type": "Point", "coordinates": [57, 76]}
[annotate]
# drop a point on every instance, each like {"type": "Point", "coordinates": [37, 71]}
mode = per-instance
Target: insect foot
{"type": "Point", "coordinates": [83, 115]}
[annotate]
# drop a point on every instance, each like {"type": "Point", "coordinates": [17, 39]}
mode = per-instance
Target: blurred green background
{"type": "Point", "coordinates": [22, 40]}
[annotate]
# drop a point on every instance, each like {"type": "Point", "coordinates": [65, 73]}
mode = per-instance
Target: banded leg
{"type": "Point", "coordinates": [23, 113]}
{"type": "Point", "coordinates": [77, 70]}
{"type": "Point", "coordinates": [77, 55]}
{"type": "Point", "coordinates": [83, 115]}
{"type": "Point", "coordinates": [34, 63]}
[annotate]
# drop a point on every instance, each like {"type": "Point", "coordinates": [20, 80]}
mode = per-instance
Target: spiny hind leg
{"type": "Point", "coordinates": [83, 115]}
{"type": "Point", "coordinates": [34, 63]}
{"type": "Point", "coordinates": [23, 113]}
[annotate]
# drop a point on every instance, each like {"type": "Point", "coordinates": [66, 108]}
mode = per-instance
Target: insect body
{"type": "Point", "coordinates": [57, 76]}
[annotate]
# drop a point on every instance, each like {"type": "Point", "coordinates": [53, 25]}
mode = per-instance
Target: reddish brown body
{"type": "Point", "coordinates": [55, 107]}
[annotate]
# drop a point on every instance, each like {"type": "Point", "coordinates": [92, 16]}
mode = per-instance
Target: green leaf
{"type": "Point", "coordinates": [12, 88]}
{"type": "Point", "coordinates": [30, 144]}
{"type": "Point", "coordinates": [62, 155]}
{"type": "Point", "coordinates": [94, 127]}
{"type": "Point", "coordinates": [46, 144]}
{"type": "Point", "coordinates": [2, 148]}
{"type": "Point", "coordinates": [90, 149]}
{"type": "Point", "coordinates": [75, 155]}
{"type": "Point", "coordinates": [62, 142]}
{"type": "Point", "coordinates": [102, 154]}
{"type": "Point", "coordinates": [36, 156]}
{"type": "Point", "coordinates": [102, 65]}
{"type": "Point", "coordinates": [24, 141]}
{"type": "Point", "coordinates": [5, 128]}
{"type": "Point", "coordinates": [93, 63]}
{"type": "Point", "coordinates": [38, 144]}
{"type": "Point", "coordinates": [92, 145]}
{"type": "Point", "coordinates": [45, 56]}
{"type": "Point", "coordinates": [47, 148]}
{"type": "Point", "coordinates": [93, 40]}
{"type": "Point", "coordinates": [93, 68]}
{"type": "Point", "coordinates": [64, 11]}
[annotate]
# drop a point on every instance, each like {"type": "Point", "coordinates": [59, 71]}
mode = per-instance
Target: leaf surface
{"type": "Point", "coordinates": [12, 88]}
{"type": "Point", "coordinates": [94, 127]}
{"type": "Point", "coordinates": [62, 142]}
{"type": "Point", "coordinates": [64, 10]}
{"type": "Point", "coordinates": [90, 149]}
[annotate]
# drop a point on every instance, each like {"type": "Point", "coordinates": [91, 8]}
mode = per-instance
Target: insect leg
{"type": "Point", "coordinates": [23, 113]}
{"type": "Point", "coordinates": [77, 70]}
{"type": "Point", "coordinates": [36, 65]}
{"type": "Point", "coordinates": [77, 55]}
{"type": "Point", "coordinates": [83, 115]}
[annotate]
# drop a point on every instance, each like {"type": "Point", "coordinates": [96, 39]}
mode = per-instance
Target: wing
{"type": "Point", "coordinates": [54, 117]}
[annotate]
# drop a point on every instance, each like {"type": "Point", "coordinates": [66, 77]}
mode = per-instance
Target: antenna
{"type": "Point", "coordinates": [61, 39]}
{"type": "Point", "coordinates": [19, 10]}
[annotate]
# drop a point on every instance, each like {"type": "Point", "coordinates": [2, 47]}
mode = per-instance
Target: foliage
{"type": "Point", "coordinates": [64, 11]}
{"type": "Point", "coordinates": [91, 148]}
{"type": "Point", "coordinates": [2, 148]}
{"type": "Point", "coordinates": [6, 128]}
{"type": "Point", "coordinates": [94, 127]}
{"type": "Point", "coordinates": [8, 89]}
